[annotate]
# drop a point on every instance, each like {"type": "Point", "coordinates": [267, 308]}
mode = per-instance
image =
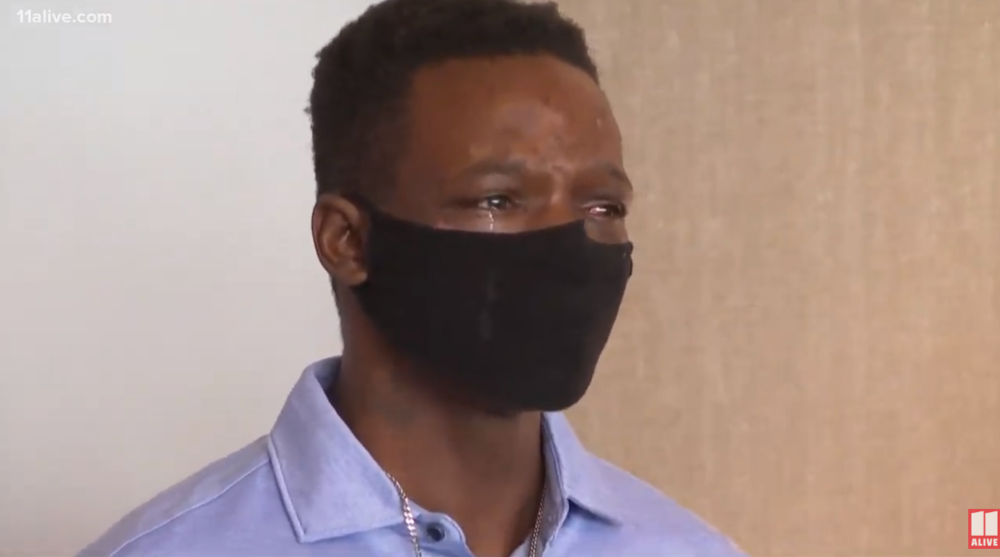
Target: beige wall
{"type": "Point", "coordinates": [810, 352]}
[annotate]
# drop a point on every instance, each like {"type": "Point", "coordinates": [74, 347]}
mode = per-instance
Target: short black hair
{"type": "Point", "coordinates": [364, 75]}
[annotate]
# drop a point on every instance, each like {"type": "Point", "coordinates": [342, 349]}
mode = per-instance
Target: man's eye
{"type": "Point", "coordinates": [608, 210]}
{"type": "Point", "coordinates": [496, 203]}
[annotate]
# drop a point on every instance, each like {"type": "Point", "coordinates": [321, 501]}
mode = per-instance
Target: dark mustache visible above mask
{"type": "Point", "coordinates": [516, 321]}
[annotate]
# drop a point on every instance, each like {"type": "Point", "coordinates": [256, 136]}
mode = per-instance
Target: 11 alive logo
{"type": "Point", "coordinates": [983, 529]}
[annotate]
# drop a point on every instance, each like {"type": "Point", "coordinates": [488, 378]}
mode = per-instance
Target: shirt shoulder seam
{"type": "Point", "coordinates": [194, 507]}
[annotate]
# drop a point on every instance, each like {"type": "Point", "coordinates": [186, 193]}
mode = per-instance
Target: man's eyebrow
{"type": "Point", "coordinates": [510, 167]}
{"type": "Point", "coordinates": [514, 167]}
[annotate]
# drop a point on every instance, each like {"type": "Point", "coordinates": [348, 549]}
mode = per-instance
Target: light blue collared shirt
{"type": "Point", "coordinates": [310, 489]}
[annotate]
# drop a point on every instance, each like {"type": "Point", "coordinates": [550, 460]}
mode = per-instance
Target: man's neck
{"type": "Point", "coordinates": [484, 471]}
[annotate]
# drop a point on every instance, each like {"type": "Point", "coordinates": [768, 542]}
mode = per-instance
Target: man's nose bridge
{"type": "Point", "coordinates": [559, 209]}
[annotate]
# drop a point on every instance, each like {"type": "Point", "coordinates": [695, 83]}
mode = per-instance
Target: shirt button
{"type": "Point", "coordinates": [436, 532]}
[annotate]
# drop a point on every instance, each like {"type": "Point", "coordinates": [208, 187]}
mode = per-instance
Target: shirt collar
{"type": "Point", "coordinates": [320, 466]}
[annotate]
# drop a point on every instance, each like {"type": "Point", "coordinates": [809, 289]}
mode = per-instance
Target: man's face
{"type": "Point", "coordinates": [511, 144]}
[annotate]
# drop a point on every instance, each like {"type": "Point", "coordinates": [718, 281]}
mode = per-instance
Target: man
{"type": "Point", "coordinates": [471, 215]}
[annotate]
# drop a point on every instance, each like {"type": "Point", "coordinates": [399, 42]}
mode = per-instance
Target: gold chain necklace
{"type": "Point", "coordinates": [411, 523]}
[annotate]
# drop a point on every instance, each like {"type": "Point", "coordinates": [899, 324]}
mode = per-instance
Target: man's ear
{"type": "Point", "coordinates": [339, 232]}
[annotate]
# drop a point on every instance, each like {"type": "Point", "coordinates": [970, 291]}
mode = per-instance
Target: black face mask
{"type": "Point", "coordinates": [513, 321]}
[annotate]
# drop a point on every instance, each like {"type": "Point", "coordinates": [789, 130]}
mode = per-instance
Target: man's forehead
{"type": "Point", "coordinates": [508, 95]}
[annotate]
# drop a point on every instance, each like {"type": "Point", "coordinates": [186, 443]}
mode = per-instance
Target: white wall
{"type": "Point", "coordinates": [158, 289]}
